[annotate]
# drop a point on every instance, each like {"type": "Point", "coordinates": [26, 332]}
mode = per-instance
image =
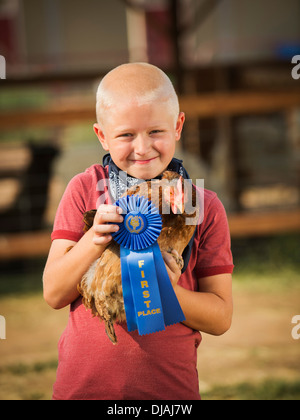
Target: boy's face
{"type": "Point", "coordinates": [140, 139]}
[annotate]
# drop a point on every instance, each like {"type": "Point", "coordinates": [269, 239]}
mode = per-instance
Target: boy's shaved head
{"type": "Point", "coordinates": [140, 83]}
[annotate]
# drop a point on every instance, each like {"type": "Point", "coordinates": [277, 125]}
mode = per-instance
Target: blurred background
{"type": "Point", "coordinates": [231, 64]}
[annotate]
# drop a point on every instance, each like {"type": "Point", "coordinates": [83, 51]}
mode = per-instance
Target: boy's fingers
{"type": "Point", "coordinates": [104, 223]}
{"type": "Point", "coordinates": [107, 228]}
{"type": "Point", "coordinates": [102, 240]}
{"type": "Point", "coordinates": [108, 217]}
{"type": "Point", "coordinates": [170, 262]}
{"type": "Point", "coordinates": [108, 208]}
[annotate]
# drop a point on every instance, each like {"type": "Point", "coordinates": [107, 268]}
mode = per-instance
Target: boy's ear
{"type": "Point", "coordinates": [101, 137]}
{"type": "Point", "coordinates": [179, 125]}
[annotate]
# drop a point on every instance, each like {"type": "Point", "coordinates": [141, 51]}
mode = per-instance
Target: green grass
{"type": "Point", "coordinates": [267, 390]}
{"type": "Point", "coordinates": [271, 261]}
{"type": "Point", "coordinates": [27, 381]}
{"type": "Point", "coordinates": [23, 98]}
{"type": "Point", "coordinates": [267, 253]}
{"type": "Point", "coordinates": [21, 277]}
{"type": "Point", "coordinates": [271, 389]}
{"type": "Point", "coordinates": [21, 369]}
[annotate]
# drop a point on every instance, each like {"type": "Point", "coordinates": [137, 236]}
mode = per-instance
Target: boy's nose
{"type": "Point", "coordinates": [142, 145]}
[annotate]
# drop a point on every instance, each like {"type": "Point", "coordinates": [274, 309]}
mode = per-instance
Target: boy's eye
{"type": "Point", "coordinates": [126, 135]}
{"type": "Point", "coordinates": [156, 132]}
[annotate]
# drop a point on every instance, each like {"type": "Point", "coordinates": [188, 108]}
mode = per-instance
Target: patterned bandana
{"type": "Point", "coordinates": [120, 181]}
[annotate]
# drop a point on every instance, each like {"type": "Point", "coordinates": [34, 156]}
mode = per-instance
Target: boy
{"type": "Point", "coordinates": [139, 124]}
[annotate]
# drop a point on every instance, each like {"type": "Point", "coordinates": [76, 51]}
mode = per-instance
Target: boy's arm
{"type": "Point", "coordinates": [210, 309]}
{"type": "Point", "coordinates": [63, 271]}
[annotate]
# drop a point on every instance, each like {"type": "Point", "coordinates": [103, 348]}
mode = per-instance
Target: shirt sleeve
{"type": "Point", "coordinates": [68, 223]}
{"type": "Point", "coordinates": [214, 247]}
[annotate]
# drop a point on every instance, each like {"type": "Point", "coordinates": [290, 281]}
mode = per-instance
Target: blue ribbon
{"type": "Point", "coordinates": [149, 298]}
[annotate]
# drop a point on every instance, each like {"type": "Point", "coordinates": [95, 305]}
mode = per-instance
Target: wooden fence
{"type": "Point", "coordinates": [202, 106]}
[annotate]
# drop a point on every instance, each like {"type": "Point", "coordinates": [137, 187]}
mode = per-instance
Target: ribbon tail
{"type": "Point", "coordinates": [149, 298]}
{"type": "Point", "coordinates": [172, 311]}
{"type": "Point", "coordinates": [127, 291]}
{"type": "Point", "coordinates": [145, 291]}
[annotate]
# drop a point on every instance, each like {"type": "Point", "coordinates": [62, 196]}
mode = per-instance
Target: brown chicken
{"type": "Point", "coordinates": [101, 286]}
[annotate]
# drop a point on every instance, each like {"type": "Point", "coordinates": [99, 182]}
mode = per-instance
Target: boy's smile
{"type": "Point", "coordinates": [140, 138]}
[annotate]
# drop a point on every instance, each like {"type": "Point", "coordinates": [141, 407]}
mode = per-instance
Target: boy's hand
{"type": "Point", "coordinates": [172, 268]}
{"type": "Point", "coordinates": [106, 214]}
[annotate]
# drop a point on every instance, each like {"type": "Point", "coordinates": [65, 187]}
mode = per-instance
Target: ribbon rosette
{"type": "Point", "coordinates": [149, 298]}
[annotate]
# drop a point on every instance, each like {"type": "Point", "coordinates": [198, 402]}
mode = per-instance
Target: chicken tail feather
{"type": "Point", "coordinates": [110, 331]}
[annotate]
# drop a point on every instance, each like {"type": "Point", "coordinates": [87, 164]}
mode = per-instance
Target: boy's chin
{"type": "Point", "coordinates": [144, 174]}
